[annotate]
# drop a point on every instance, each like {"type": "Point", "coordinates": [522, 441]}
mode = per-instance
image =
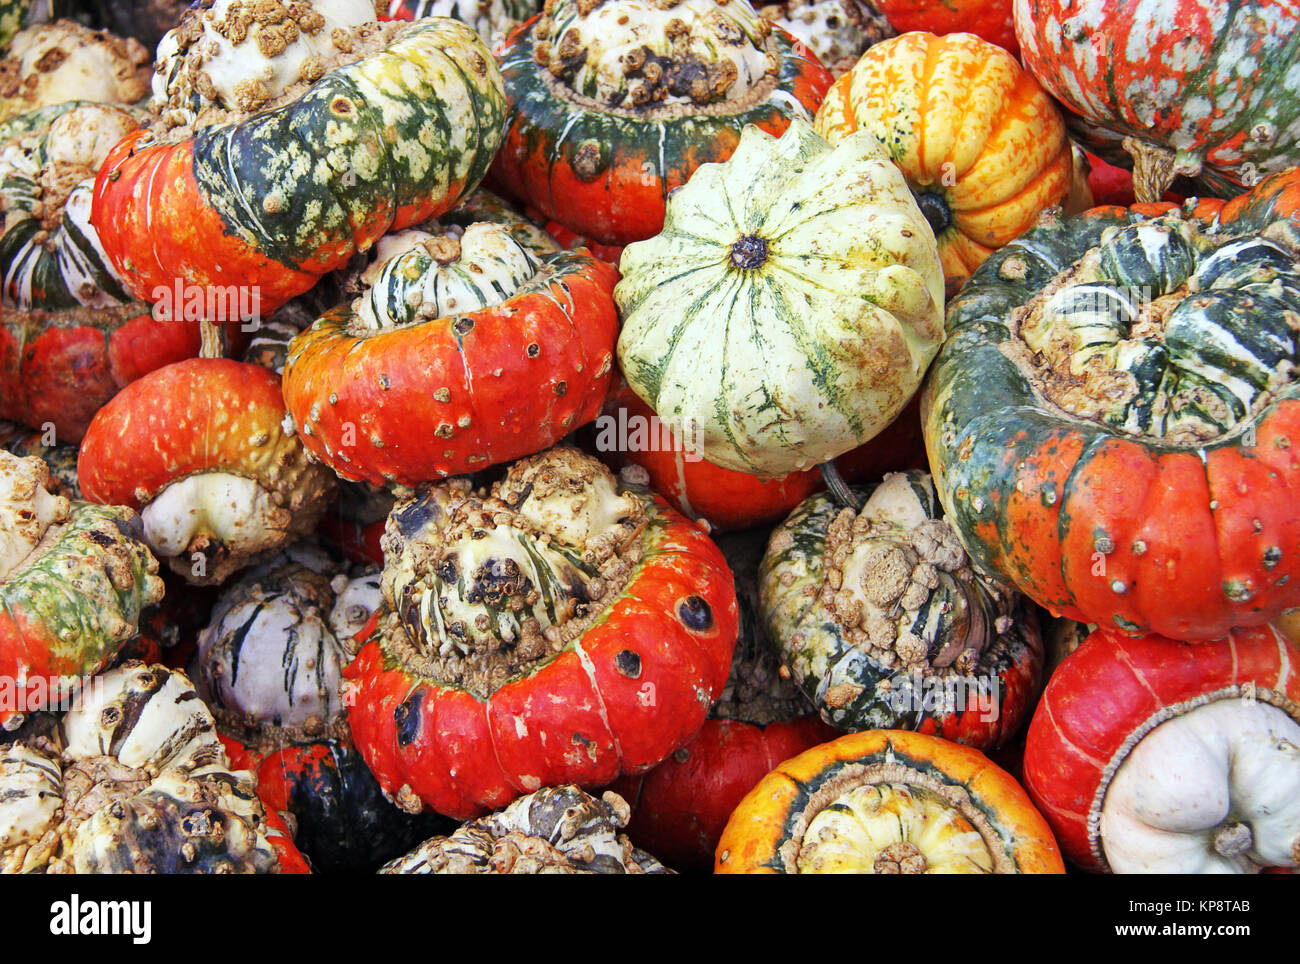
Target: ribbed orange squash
{"type": "Point", "coordinates": [983, 148]}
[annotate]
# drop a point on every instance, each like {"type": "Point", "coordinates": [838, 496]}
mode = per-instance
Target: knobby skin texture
{"type": "Point", "coordinates": [374, 146]}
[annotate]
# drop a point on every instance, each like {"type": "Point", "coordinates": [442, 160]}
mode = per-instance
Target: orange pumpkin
{"type": "Point", "coordinates": [983, 148]}
{"type": "Point", "coordinates": [887, 801]}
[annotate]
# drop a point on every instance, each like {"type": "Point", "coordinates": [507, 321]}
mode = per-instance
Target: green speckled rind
{"type": "Point", "coordinates": [1036, 496]}
{"type": "Point", "coordinates": [376, 145]}
{"type": "Point", "coordinates": [999, 411]}
{"type": "Point", "coordinates": [668, 143]}
{"type": "Point", "coordinates": [71, 610]}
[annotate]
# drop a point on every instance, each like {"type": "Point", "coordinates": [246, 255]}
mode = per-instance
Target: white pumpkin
{"type": "Point", "coordinates": [1215, 790]}
{"type": "Point", "coordinates": [273, 653]}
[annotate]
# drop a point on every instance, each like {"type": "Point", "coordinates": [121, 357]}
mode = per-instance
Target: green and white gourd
{"type": "Point", "coordinates": [555, 830]}
{"type": "Point", "coordinates": [420, 275]}
{"type": "Point", "coordinates": [271, 657]}
{"type": "Point", "coordinates": [705, 51]}
{"type": "Point", "coordinates": [141, 784]}
{"type": "Point", "coordinates": [864, 605]}
{"type": "Point", "coordinates": [1166, 332]}
{"type": "Point", "coordinates": [50, 255]}
{"type": "Point", "coordinates": [790, 306]}
{"type": "Point", "coordinates": [75, 574]}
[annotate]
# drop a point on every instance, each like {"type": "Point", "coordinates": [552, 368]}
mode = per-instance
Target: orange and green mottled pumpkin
{"type": "Point", "coordinates": [983, 148]}
{"type": "Point", "coordinates": [1112, 419]}
{"type": "Point", "coordinates": [74, 579]}
{"type": "Point", "coordinates": [372, 146]}
{"type": "Point", "coordinates": [1211, 82]}
{"type": "Point", "coordinates": [609, 113]}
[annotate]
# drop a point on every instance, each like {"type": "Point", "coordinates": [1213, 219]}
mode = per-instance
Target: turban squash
{"type": "Point", "coordinates": [558, 628]}
{"type": "Point", "coordinates": [200, 449]}
{"type": "Point", "coordinates": [680, 807]}
{"type": "Point", "coordinates": [371, 146]}
{"type": "Point", "coordinates": [983, 148]}
{"type": "Point", "coordinates": [887, 801]}
{"type": "Point", "coordinates": [615, 103]}
{"type": "Point", "coordinates": [884, 625]}
{"type": "Point", "coordinates": [466, 349]}
{"type": "Point", "coordinates": [70, 336]}
{"type": "Point", "coordinates": [135, 780]}
{"type": "Point", "coordinates": [1154, 756]}
{"type": "Point", "coordinates": [1112, 420]}
{"type": "Point", "coordinates": [74, 579]}
{"type": "Point", "coordinates": [269, 663]}
{"type": "Point", "coordinates": [1209, 84]}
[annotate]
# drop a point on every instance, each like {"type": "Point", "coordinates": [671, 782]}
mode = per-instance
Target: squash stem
{"type": "Point", "coordinates": [838, 488]}
{"type": "Point", "coordinates": [212, 340]}
{"type": "Point", "coordinates": [1153, 170]}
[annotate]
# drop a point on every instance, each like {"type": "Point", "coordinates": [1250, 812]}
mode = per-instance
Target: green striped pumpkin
{"type": "Point", "coordinates": [491, 19]}
{"type": "Point", "coordinates": [879, 617]}
{"type": "Point", "coordinates": [441, 274]}
{"type": "Point", "coordinates": [789, 308]}
{"type": "Point", "coordinates": [53, 258]}
{"type": "Point", "coordinates": [1111, 419]}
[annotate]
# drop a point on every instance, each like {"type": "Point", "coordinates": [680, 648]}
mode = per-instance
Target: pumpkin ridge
{"type": "Point", "coordinates": [1021, 92]}
{"type": "Point", "coordinates": [985, 203]}
{"type": "Point", "coordinates": [652, 377]}
{"type": "Point", "coordinates": [1049, 713]}
{"type": "Point", "coordinates": [481, 161]}
{"type": "Point", "coordinates": [812, 354]}
{"type": "Point", "coordinates": [967, 116]}
{"type": "Point", "coordinates": [932, 53]}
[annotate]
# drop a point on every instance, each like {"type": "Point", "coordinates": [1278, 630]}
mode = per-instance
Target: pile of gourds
{"type": "Point", "coordinates": [633, 435]}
